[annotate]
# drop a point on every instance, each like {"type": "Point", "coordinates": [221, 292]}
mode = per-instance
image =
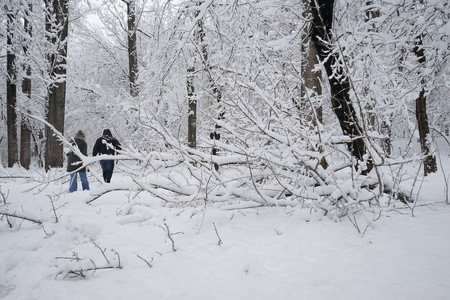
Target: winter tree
{"type": "Point", "coordinates": [25, 128]}
{"type": "Point", "coordinates": [132, 46]}
{"type": "Point", "coordinates": [56, 26]}
{"type": "Point", "coordinates": [11, 86]}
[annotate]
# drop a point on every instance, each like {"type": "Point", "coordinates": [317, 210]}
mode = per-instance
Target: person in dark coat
{"type": "Point", "coordinates": [106, 145]}
{"type": "Point", "coordinates": [74, 163]}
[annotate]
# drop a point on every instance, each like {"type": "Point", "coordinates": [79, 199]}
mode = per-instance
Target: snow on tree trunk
{"type": "Point", "coordinates": [311, 77]}
{"type": "Point", "coordinates": [11, 90]}
{"type": "Point", "coordinates": [192, 109]}
{"type": "Point", "coordinates": [429, 162]}
{"type": "Point", "coordinates": [25, 131]}
{"type": "Point", "coordinates": [212, 86]}
{"type": "Point", "coordinates": [132, 48]}
{"type": "Point", "coordinates": [322, 12]}
{"type": "Point", "coordinates": [57, 12]}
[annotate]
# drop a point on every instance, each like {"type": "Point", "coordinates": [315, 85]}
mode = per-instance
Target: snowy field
{"type": "Point", "coordinates": [142, 249]}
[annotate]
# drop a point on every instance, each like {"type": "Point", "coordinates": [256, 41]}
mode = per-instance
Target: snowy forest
{"type": "Point", "coordinates": [332, 112]}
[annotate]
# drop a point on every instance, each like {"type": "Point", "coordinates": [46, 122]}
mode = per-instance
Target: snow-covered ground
{"type": "Point", "coordinates": [259, 253]}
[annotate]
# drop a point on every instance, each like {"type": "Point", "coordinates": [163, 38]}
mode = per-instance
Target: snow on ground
{"type": "Point", "coordinates": [265, 253]}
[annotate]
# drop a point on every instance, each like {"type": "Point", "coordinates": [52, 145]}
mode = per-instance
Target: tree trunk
{"type": "Point", "coordinates": [312, 84]}
{"type": "Point", "coordinates": [311, 78]}
{"type": "Point", "coordinates": [429, 163]}
{"type": "Point", "coordinates": [213, 87]}
{"type": "Point", "coordinates": [57, 15]}
{"type": "Point", "coordinates": [25, 131]}
{"type": "Point", "coordinates": [192, 109]}
{"type": "Point", "coordinates": [11, 91]}
{"type": "Point", "coordinates": [322, 11]}
{"type": "Point", "coordinates": [25, 145]}
{"type": "Point", "coordinates": [373, 119]}
{"type": "Point", "coordinates": [132, 48]}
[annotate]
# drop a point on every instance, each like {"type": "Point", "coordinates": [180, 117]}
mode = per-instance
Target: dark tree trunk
{"type": "Point", "coordinates": [322, 12]}
{"type": "Point", "coordinates": [11, 91]}
{"type": "Point", "coordinates": [192, 109]}
{"type": "Point", "coordinates": [429, 163]}
{"type": "Point", "coordinates": [25, 145]}
{"type": "Point", "coordinates": [132, 48]}
{"type": "Point", "coordinates": [57, 14]}
{"type": "Point", "coordinates": [213, 86]}
{"type": "Point", "coordinates": [25, 131]}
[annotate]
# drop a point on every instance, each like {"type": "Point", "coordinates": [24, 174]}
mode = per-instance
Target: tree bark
{"type": "Point", "coordinates": [56, 17]}
{"type": "Point", "coordinates": [213, 88]}
{"type": "Point", "coordinates": [311, 78]}
{"type": "Point", "coordinates": [132, 48]}
{"type": "Point", "coordinates": [192, 109]}
{"type": "Point", "coordinates": [429, 163]}
{"type": "Point", "coordinates": [11, 91]}
{"type": "Point", "coordinates": [25, 131]}
{"type": "Point", "coordinates": [322, 11]}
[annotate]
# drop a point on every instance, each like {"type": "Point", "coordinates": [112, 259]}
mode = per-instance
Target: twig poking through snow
{"type": "Point", "coordinates": [82, 272]}
{"type": "Point", "coordinates": [74, 257]}
{"type": "Point", "coordinates": [103, 252]}
{"type": "Point", "coordinates": [278, 232]}
{"type": "Point", "coordinates": [4, 198]}
{"type": "Point", "coordinates": [170, 237]}
{"type": "Point", "coordinates": [118, 258]}
{"type": "Point", "coordinates": [148, 263]}
{"type": "Point", "coordinates": [217, 233]}
{"type": "Point", "coordinates": [53, 208]}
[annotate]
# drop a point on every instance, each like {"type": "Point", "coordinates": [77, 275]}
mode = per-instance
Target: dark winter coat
{"type": "Point", "coordinates": [73, 161]}
{"type": "Point", "coordinates": [106, 144]}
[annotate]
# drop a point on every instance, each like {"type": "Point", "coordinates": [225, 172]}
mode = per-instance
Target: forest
{"type": "Point", "coordinates": [338, 108]}
{"type": "Point", "coordinates": [296, 101]}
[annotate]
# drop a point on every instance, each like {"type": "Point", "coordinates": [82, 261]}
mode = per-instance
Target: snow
{"type": "Point", "coordinates": [254, 253]}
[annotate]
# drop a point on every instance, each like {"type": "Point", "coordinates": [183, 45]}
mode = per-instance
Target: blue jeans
{"type": "Point", "coordinates": [73, 182]}
{"type": "Point", "coordinates": [108, 168]}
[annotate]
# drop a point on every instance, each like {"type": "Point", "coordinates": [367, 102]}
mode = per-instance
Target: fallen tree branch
{"type": "Point", "coordinates": [81, 272]}
{"type": "Point", "coordinates": [21, 217]}
{"type": "Point", "coordinates": [106, 192]}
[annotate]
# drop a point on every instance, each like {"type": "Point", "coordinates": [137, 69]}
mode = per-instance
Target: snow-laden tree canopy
{"type": "Point", "coordinates": [271, 150]}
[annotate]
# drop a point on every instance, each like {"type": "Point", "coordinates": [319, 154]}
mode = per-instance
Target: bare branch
{"type": "Point", "coordinates": [103, 253]}
{"type": "Point", "coordinates": [118, 257]}
{"type": "Point", "coordinates": [21, 217]}
{"type": "Point", "coordinates": [169, 236]}
{"type": "Point", "coordinates": [217, 233]}
{"type": "Point", "coordinates": [148, 263]}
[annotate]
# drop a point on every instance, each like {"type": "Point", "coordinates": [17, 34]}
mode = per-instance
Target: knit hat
{"type": "Point", "coordinates": [80, 135]}
{"type": "Point", "coordinates": [107, 132]}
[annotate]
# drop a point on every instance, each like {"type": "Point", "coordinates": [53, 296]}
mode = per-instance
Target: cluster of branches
{"type": "Point", "coordinates": [35, 73]}
{"type": "Point", "coordinates": [78, 267]}
{"type": "Point", "coordinates": [271, 151]}
{"type": "Point", "coordinates": [263, 124]}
